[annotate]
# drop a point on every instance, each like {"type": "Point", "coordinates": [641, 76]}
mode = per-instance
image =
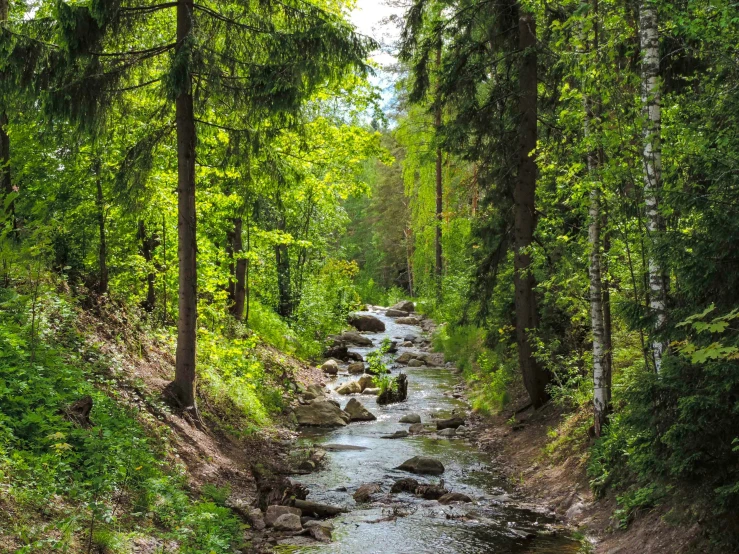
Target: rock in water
{"type": "Point", "coordinates": [454, 497]}
{"type": "Point", "coordinates": [451, 423]}
{"type": "Point", "coordinates": [352, 387]}
{"type": "Point", "coordinates": [289, 523]}
{"type": "Point", "coordinates": [365, 492]}
{"type": "Point", "coordinates": [356, 339]}
{"type": "Point", "coordinates": [357, 412]}
{"type": "Point", "coordinates": [366, 323]}
{"type": "Point", "coordinates": [330, 367]}
{"type": "Point", "coordinates": [404, 306]}
{"type": "Point", "coordinates": [410, 418]}
{"type": "Point", "coordinates": [354, 356]}
{"type": "Point", "coordinates": [416, 363]}
{"type": "Point", "coordinates": [422, 465]}
{"type": "Point", "coordinates": [447, 433]}
{"type": "Point", "coordinates": [404, 485]}
{"type": "Point", "coordinates": [321, 413]}
{"type": "Point", "coordinates": [397, 392]}
{"type": "Point", "coordinates": [432, 492]}
{"type": "Point", "coordinates": [366, 382]}
{"type": "Point", "coordinates": [408, 321]}
{"type": "Point", "coordinates": [319, 510]}
{"type": "Point", "coordinates": [275, 512]}
{"type": "Point", "coordinates": [396, 435]}
{"type": "Point", "coordinates": [416, 429]}
{"type": "Point", "coordinates": [355, 368]}
{"type": "Point", "coordinates": [392, 312]}
{"type": "Point", "coordinates": [319, 530]}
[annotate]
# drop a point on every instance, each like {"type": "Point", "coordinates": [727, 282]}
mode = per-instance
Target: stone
{"type": "Point", "coordinates": [366, 382]}
{"type": "Point", "coordinates": [454, 497]}
{"type": "Point", "coordinates": [405, 357]}
{"type": "Point", "coordinates": [319, 510]}
{"type": "Point", "coordinates": [319, 530]}
{"type": "Point", "coordinates": [274, 512]}
{"type": "Point", "coordinates": [321, 413]}
{"type": "Point", "coordinates": [408, 321]}
{"type": "Point", "coordinates": [318, 523]}
{"type": "Point", "coordinates": [338, 351]}
{"type": "Point", "coordinates": [416, 363]}
{"type": "Point", "coordinates": [396, 435]}
{"type": "Point", "coordinates": [410, 338]}
{"type": "Point", "coordinates": [371, 391]}
{"type": "Point", "coordinates": [367, 323]}
{"type": "Point", "coordinates": [462, 430]}
{"type": "Point", "coordinates": [451, 423]}
{"type": "Point", "coordinates": [354, 356]}
{"type": "Point", "coordinates": [406, 344]}
{"type": "Point", "coordinates": [406, 484]}
{"type": "Point", "coordinates": [355, 368]}
{"type": "Point", "coordinates": [342, 447]}
{"type": "Point", "coordinates": [404, 306]}
{"type": "Point", "coordinates": [256, 519]}
{"type": "Point", "coordinates": [416, 429]}
{"type": "Point", "coordinates": [307, 466]}
{"type": "Point", "coordinates": [392, 312]}
{"type": "Point", "coordinates": [447, 433]}
{"type": "Point", "coordinates": [422, 465]}
{"type": "Point", "coordinates": [357, 412]}
{"type": "Point", "coordinates": [365, 492]}
{"type": "Point", "coordinates": [330, 367]}
{"type": "Point", "coordinates": [350, 387]}
{"type": "Point", "coordinates": [355, 338]}
{"type": "Point", "coordinates": [288, 523]}
{"type": "Point", "coordinates": [410, 418]}
{"type": "Point", "coordinates": [431, 492]}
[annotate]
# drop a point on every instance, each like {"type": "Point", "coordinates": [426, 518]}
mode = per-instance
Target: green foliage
{"type": "Point", "coordinates": [376, 359]}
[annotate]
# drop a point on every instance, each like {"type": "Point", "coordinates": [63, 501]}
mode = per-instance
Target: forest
{"type": "Point", "coordinates": [204, 205]}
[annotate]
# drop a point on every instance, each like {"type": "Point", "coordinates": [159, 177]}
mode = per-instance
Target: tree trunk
{"type": "Point", "coordinates": [148, 244]}
{"type": "Point", "coordinates": [282, 258]}
{"type": "Point", "coordinates": [535, 378]}
{"type": "Point", "coordinates": [607, 321]}
{"type": "Point", "coordinates": [237, 308]}
{"type": "Point", "coordinates": [184, 382]}
{"type": "Point", "coordinates": [248, 267]}
{"type": "Point", "coordinates": [6, 185]}
{"type": "Point", "coordinates": [652, 155]}
{"type": "Point", "coordinates": [439, 187]}
{"type": "Point", "coordinates": [103, 249]}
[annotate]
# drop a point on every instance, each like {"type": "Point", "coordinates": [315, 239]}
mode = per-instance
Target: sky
{"type": "Point", "coordinates": [368, 17]}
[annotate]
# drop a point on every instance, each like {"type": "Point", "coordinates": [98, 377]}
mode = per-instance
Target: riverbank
{"type": "Point", "coordinates": [521, 442]}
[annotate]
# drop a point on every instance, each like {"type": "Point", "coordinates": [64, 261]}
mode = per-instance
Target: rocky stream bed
{"type": "Point", "coordinates": [406, 477]}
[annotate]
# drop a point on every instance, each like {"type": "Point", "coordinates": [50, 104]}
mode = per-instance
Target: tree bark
{"type": "Point", "coordinates": [237, 246]}
{"type": "Point", "coordinates": [439, 187]}
{"type": "Point", "coordinates": [652, 157]}
{"type": "Point", "coordinates": [535, 377]}
{"type": "Point", "coordinates": [103, 248]}
{"type": "Point", "coordinates": [184, 382]}
{"type": "Point", "coordinates": [6, 185]}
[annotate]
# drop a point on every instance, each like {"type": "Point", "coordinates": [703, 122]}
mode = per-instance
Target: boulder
{"type": "Point", "coordinates": [405, 357]}
{"type": "Point", "coordinates": [351, 387]}
{"type": "Point", "coordinates": [288, 523]}
{"type": "Point", "coordinates": [355, 368]}
{"type": "Point", "coordinates": [330, 367]}
{"type": "Point", "coordinates": [422, 465]}
{"type": "Point", "coordinates": [316, 509]}
{"type": "Point", "coordinates": [410, 418]}
{"type": "Point", "coordinates": [404, 306]}
{"type": "Point", "coordinates": [343, 448]}
{"type": "Point", "coordinates": [410, 338]}
{"type": "Point", "coordinates": [451, 423]}
{"type": "Point", "coordinates": [406, 344]}
{"type": "Point", "coordinates": [368, 323]}
{"type": "Point", "coordinates": [321, 413]}
{"type": "Point", "coordinates": [371, 391]}
{"type": "Point", "coordinates": [354, 356]}
{"type": "Point", "coordinates": [431, 492]}
{"type": "Point", "coordinates": [365, 492]}
{"type": "Point", "coordinates": [408, 320]}
{"type": "Point", "coordinates": [319, 530]}
{"type": "Point", "coordinates": [357, 412]}
{"type": "Point", "coordinates": [338, 351]}
{"type": "Point", "coordinates": [462, 430]}
{"type": "Point", "coordinates": [416, 363]}
{"type": "Point", "coordinates": [406, 484]}
{"type": "Point", "coordinates": [366, 382]}
{"type": "Point", "coordinates": [447, 433]}
{"type": "Point", "coordinates": [435, 359]}
{"type": "Point", "coordinates": [416, 429]}
{"type": "Point", "coordinates": [352, 337]}
{"type": "Point", "coordinates": [396, 435]}
{"type": "Point", "coordinates": [275, 512]}
{"type": "Point", "coordinates": [454, 497]}
{"type": "Point", "coordinates": [256, 519]}
{"type": "Point", "coordinates": [392, 312]}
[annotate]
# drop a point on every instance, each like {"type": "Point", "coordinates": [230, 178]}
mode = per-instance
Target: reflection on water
{"type": "Point", "coordinates": [402, 523]}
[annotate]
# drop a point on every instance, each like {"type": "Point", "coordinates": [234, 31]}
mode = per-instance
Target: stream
{"type": "Point", "coordinates": [497, 521]}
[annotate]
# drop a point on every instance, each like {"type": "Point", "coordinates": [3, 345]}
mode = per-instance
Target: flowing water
{"type": "Point", "coordinates": [496, 521]}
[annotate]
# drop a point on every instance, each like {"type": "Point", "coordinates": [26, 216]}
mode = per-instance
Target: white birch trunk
{"type": "Point", "coordinates": [649, 42]}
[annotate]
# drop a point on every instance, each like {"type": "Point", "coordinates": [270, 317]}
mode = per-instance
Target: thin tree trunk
{"type": "Point", "coordinates": [248, 267]}
{"type": "Point", "coordinates": [652, 155]}
{"type": "Point", "coordinates": [231, 287]}
{"type": "Point", "coordinates": [282, 258]}
{"type": "Point", "coordinates": [535, 377]}
{"type": "Point", "coordinates": [184, 382]}
{"type": "Point", "coordinates": [148, 244]}
{"type": "Point", "coordinates": [607, 321]}
{"type": "Point", "coordinates": [103, 248]}
{"type": "Point", "coordinates": [240, 270]}
{"type": "Point", "coordinates": [6, 185]}
{"type": "Point", "coordinates": [439, 185]}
